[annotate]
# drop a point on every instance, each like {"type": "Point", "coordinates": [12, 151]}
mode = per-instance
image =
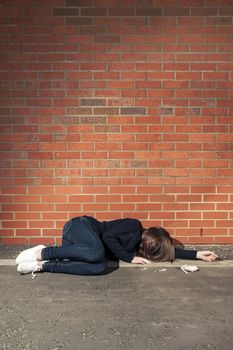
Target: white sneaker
{"type": "Point", "coordinates": [28, 254]}
{"type": "Point", "coordinates": [26, 267]}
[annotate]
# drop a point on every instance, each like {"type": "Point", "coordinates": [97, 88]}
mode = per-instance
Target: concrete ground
{"type": "Point", "coordinates": [157, 307]}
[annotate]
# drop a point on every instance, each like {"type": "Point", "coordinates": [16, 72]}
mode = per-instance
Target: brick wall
{"type": "Point", "coordinates": [116, 109]}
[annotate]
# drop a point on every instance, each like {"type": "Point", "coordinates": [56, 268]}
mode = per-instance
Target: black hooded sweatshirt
{"type": "Point", "coordinates": [121, 238]}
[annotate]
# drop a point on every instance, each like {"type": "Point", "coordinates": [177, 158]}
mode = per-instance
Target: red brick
{"type": "Point", "coordinates": [95, 123]}
{"type": "Point", "coordinates": [188, 163]}
{"type": "Point", "coordinates": [175, 172]}
{"type": "Point", "coordinates": [160, 75]}
{"type": "Point", "coordinates": [176, 137]}
{"type": "Point", "coordinates": [160, 93]}
{"type": "Point", "coordinates": [216, 75]}
{"type": "Point", "coordinates": [188, 75]}
{"type": "Point", "coordinates": [13, 240]}
{"type": "Point", "coordinates": [14, 223]}
{"type": "Point", "coordinates": [224, 189]}
{"type": "Point", "coordinates": [205, 155]}
{"type": "Point", "coordinates": [148, 137]}
{"type": "Point", "coordinates": [223, 240]}
{"type": "Point", "coordinates": [122, 207]}
{"type": "Point", "coordinates": [200, 39]}
{"type": "Point", "coordinates": [134, 94]}
{"type": "Point", "coordinates": [200, 138]}
{"type": "Point", "coordinates": [120, 84]}
{"type": "Point", "coordinates": [215, 163]}
{"type": "Point", "coordinates": [175, 223]}
{"type": "Point", "coordinates": [43, 240]}
{"type": "Point", "coordinates": [175, 154]}
{"type": "Point", "coordinates": [224, 223]}
{"type": "Point", "coordinates": [201, 240]}
{"type": "Point", "coordinates": [91, 155]}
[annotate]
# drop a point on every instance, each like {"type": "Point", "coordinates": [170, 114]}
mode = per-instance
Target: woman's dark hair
{"type": "Point", "coordinates": [157, 245]}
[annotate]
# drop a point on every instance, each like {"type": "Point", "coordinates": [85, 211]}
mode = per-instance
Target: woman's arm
{"type": "Point", "coordinates": [140, 260]}
{"type": "Point", "coordinates": [113, 243]}
{"type": "Point", "coordinates": [122, 236]}
{"type": "Point", "coordinates": [205, 255]}
{"type": "Point", "coordinates": [181, 253]}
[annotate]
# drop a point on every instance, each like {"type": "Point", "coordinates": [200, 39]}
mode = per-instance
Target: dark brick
{"type": "Point", "coordinates": [94, 11]}
{"type": "Point", "coordinates": [166, 110]}
{"type": "Point", "coordinates": [133, 111]}
{"type": "Point", "coordinates": [121, 12]}
{"type": "Point", "coordinates": [149, 12]}
{"type": "Point", "coordinates": [78, 3]}
{"type": "Point", "coordinates": [66, 120]}
{"type": "Point", "coordinates": [111, 39]}
{"type": "Point", "coordinates": [195, 111]}
{"type": "Point", "coordinates": [79, 111]}
{"type": "Point", "coordinates": [105, 111]}
{"type": "Point", "coordinates": [93, 120]}
{"type": "Point", "coordinates": [139, 164]}
{"type": "Point", "coordinates": [204, 11]}
{"type": "Point", "coordinates": [226, 11]}
{"type": "Point", "coordinates": [173, 11]}
{"type": "Point", "coordinates": [107, 128]}
{"type": "Point", "coordinates": [93, 102]}
{"type": "Point", "coordinates": [66, 12]}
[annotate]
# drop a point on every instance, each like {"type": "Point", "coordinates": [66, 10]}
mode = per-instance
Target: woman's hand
{"type": "Point", "coordinates": [140, 260]}
{"type": "Point", "coordinates": [206, 255]}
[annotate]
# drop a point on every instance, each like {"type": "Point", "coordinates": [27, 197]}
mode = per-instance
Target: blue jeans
{"type": "Point", "coordinates": [81, 253]}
